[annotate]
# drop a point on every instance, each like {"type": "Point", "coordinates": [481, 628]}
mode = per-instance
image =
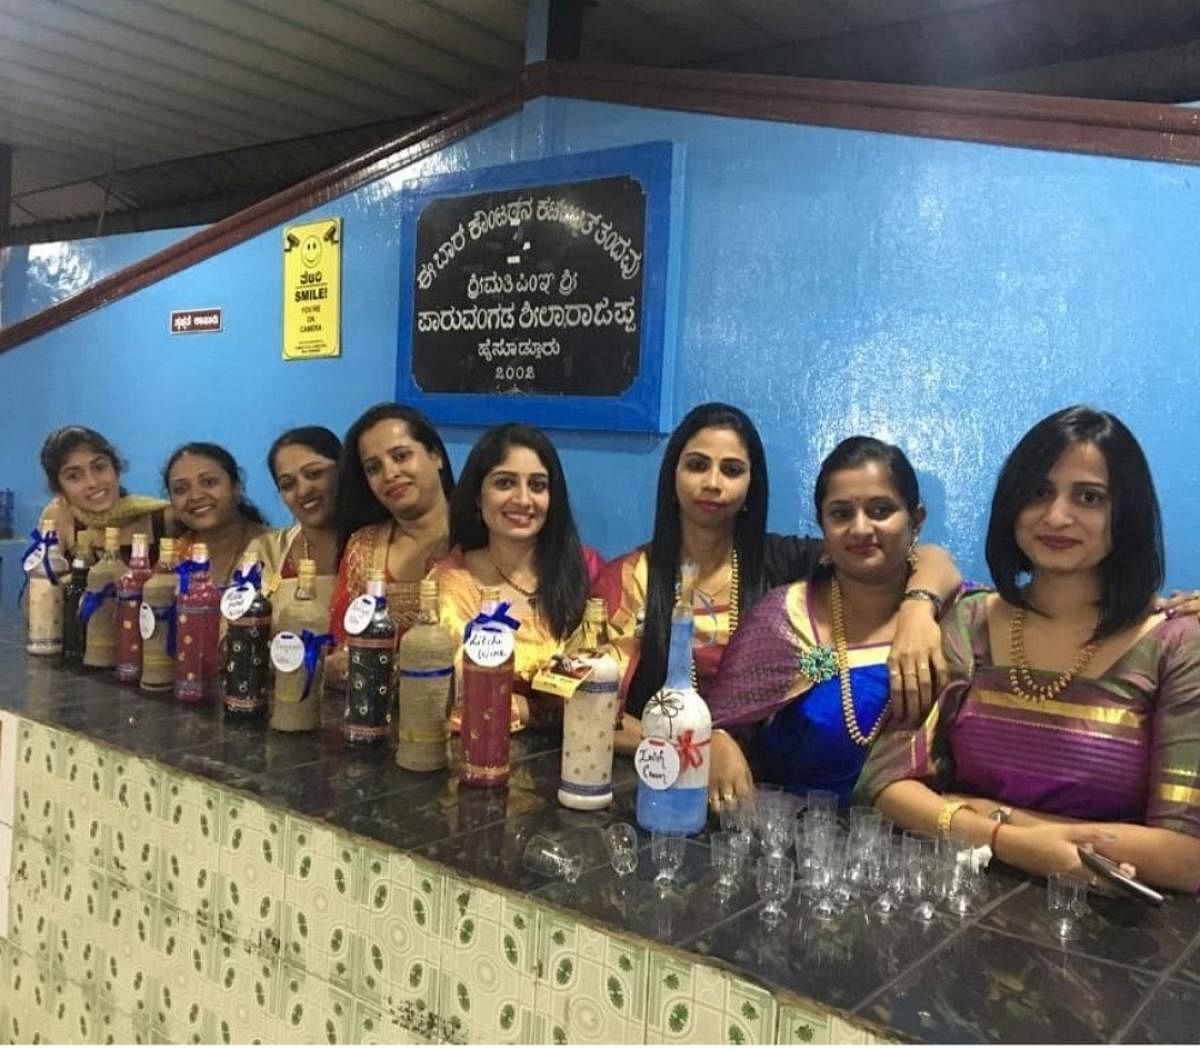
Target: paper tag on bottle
{"type": "Point", "coordinates": [359, 614]}
{"type": "Point", "coordinates": [35, 558]}
{"type": "Point", "coordinates": [656, 762]}
{"type": "Point", "coordinates": [489, 646]}
{"type": "Point", "coordinates": [562, 676]}
{"type": "Point", "coordinates": [287, 652]}
{"type": "Point", "coordinates": [236, 601]}
{"type": "Point", "coordinates": [146, 621]}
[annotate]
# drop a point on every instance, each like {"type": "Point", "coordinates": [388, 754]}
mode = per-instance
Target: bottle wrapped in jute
{"type": "Point", "coordinates": [156, 622]}
{"type": "Point", "coordinates": [46, 571]}
{"type": "Point", "coordinates": [298, 656]}
{"type": "Point", "coordinates": [426, 662]}
{"type": "Point", "coordinates": [98, 609]}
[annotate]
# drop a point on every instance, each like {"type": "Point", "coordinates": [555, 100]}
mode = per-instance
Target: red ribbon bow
{"type": "Point", "coordinates": [689, 749]}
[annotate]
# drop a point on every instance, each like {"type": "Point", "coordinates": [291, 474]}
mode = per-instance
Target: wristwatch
{"type": "Point", "coordinates": [918, 594]}
{"type": "Point", "coordinates": [1001, 814]}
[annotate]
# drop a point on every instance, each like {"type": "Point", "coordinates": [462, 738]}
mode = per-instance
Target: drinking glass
{"type": "Point", "coordinates": [621, 841]}
{"type": "Point", "coordinates": [737, 817]}
{"type": "Point", "coordinates": [666, 850]}
{"type": "Point", "coordinates": [960, 881]}
{"type": "Point", "coordinates": [824, 803]}
{"type": "Point", "coordinates": [888, 883]}
{"type": "Point", "coordinates": [775, 808]}
{"type": "Point", "coordinates": [727, 859]}
{"type": "Point", "coordinates": [774, 877]}
{"type": "Point", "coordinates": [1065, 896]}
{"type": "Point", "coordinates": [919, 855]}
{"type": "Point", "coordinates": [861, 845]}
{"type": "Point", "coordinates": [545, 856]}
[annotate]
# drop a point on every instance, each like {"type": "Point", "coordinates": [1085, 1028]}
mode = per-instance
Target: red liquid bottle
{"type": "Point", "coordinates": [487, 681]}
{"type": "Point", "coordinates": [198, 660]}
{"type": "Point", "coordinates": [129, 605]}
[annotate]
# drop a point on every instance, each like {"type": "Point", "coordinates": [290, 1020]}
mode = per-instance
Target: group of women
{"type": "Point", "coordinates": [1060, 709]}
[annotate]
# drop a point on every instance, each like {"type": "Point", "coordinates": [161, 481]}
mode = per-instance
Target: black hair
{"type": "Point", "coordinates": [563, 582]}
{"type": "Point", "coordinates": [63, 441]}
{"type": "Point", "coordinates": [227, 463]}
{"type": "Point", "coordinates": [666, 544]}
{"type": "Point", "coordinates": [321, 440]}
{"type": "Point", "coordinates": [357, 505]}
{"type": "Point", "coordinates": [1133, 571]}
{"type": "Point", "coordinates": [857, 451]}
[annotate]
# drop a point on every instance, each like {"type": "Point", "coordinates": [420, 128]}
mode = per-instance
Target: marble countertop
{"type": "Point", "coordinates": [997, 975]}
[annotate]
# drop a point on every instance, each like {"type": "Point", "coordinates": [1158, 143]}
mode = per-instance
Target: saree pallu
{"type": "Point", "coordinates": [1124, 746]}
{"type": "Point", "coordinates": [800, 741]}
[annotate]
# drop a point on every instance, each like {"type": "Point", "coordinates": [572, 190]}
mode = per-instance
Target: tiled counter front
{"type": "Point", "coordinates": [143, 903]}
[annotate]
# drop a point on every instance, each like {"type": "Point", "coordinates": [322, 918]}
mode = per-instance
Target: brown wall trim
{"type": "Point", "coordinates": [379, 162]}
{"type": "Point", "coordinates": [1137, 130]}
{"type": "Point", "coordinates": [1140, 130]}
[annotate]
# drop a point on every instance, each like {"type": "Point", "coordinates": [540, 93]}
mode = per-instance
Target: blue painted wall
{"type": "Point", "coordinates": [944, 295]}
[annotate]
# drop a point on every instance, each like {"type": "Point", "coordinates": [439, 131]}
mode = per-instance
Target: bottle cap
{"type": "Point", "coordinates": [166, 549]}
{"type": "Point", "coordinates": [489, 593]}
{"type": "Point", "coordinates": [112, 539]}
{"type": "Point", "coordinates": [47, 525]}
{"type": "Point", "coordinates": [596, 610]}
{"type": "Point", "coordinates": [429, 590]}
{"type": "Point", "coordinates": [200, 552]}
{"type": "Point", "coordinates": [141, 543]}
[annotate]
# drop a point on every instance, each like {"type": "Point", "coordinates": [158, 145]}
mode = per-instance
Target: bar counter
{"type": "Point", "coordinates": [170, 877]}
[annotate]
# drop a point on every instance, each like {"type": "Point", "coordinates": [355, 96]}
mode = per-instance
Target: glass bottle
{"type": "Point", "coordinates": [98, 609]}
{"type": "Point", "coordinates": [247, 653]}
{"type": "Point", "coordinates": [129, 607]}
{"type": "Point", "coordinates": [299, 658]}
{"type": "Point", "coordinates": [426, 688]}
{"type": "Point", "coordinates": [677, 720]}
{"type": "Point", "coordinates": [370, 682]}
{"type": "Point", "coordinates": [46, 570]}
{"type": "Point", "coordinates": [487, 682]}
{"type": "Point", "coordinates": [74, 628]}
{"type": "Point", "coordinates": [589, 716]}
{"type": "Point", "coordinates": [198, 654]}
{"type": "Point", "coordinates": [156, 622]}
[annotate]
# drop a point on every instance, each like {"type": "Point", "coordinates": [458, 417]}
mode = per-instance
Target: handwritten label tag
{"type": "Point", "coordinates": [146, 621]}
{"type": "Point", "coordinates": [656, 762]}
{"type": "Point", "coordinates": [236, 601]}
{"type": "Point", "coordinates": [35, 558]}
{"type": "Point", "coordinates": [359, 614]}
{"type": "Point", "coordinates": [489, 646]}
{"type": "Point", "coordinates": [287, 652]}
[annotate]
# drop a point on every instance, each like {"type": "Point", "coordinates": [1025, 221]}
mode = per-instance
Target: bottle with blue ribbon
{"type": "Point", "coordinates": [247, 678]}
{"type": "Point", "coordinates": [74, 628]}
{"type": "Point", "coordinates": [672, 761]}
{"type": "Point", "coordinates": [298, 656]}
{"type": "Point", "coordinates": [370, 680]}
{"type": "Point", "coordinates": [129, 605]}
{"type": "Point", "coordinates": [426, 690]}
{"type": "Point", "coordinates": [98, 609]}
{"type": "Point", "coordinates": [156, 622]}
{"type": "Point", "coordinates": [198, 631]}
{"type": "Point", "coordinates": [589, 715]}
{"type": "Point", "coordinates": [487, 684]}
{"type": "Point", "coordinates": [45, 573]}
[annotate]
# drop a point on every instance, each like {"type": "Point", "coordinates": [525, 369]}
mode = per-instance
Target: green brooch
{"type": "Point", "coordinates": [819, 663]}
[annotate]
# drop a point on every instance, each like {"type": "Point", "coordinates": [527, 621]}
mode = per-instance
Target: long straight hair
{"type": "Point", "coordinates": [666, 545]}
{"type": "Point", "coordinates": [562, 575]}
{"type": "Point", "coordinates": [227, 463]}
{"type": "Point", "coordinates": [357, 505]}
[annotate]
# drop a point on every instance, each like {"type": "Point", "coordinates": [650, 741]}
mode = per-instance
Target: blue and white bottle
{"type": "Point", "coordinates": [678, 717]}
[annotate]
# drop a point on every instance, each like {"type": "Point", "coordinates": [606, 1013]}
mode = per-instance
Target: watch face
{"type": "Point", "coordinates": [999, 815]}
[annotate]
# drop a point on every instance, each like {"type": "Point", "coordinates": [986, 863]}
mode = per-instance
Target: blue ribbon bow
{"type": "Point", "coordinates": [313, 643]}
{"type": "Point", "coordinates": [167, 615]}
{"type": "Point", "coordinates": [185, 569]}
{"type": "Point", "coordinates": [490, 620]}
{"type": "Point", "coordinates": [92, 600]}
{"type": "Point", "coordinates": [253, 577]}
{"type": "Point", "coordinates": [45, 542]}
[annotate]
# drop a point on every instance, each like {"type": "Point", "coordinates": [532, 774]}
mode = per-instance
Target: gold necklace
{"type": "Point", "coordinates": [734, 590]}
{"type": "Point", "coordinates": [841, 649]}
{"type": "Point", "coordinates": [1020, 679]}
{"type": "Point", "coordinates": [529, 595]}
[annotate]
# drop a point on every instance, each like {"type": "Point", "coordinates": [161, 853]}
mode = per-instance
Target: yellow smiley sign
{"type": "Point", "coordinates": [312, 290]}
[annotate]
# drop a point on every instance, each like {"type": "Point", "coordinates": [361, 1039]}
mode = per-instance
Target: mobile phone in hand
{"type": "Point", "coordinates": [1113, 874]}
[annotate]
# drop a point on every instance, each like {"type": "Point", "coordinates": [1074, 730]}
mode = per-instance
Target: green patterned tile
{"type": "Point", "coordinates": [319, 914]}
{"type": "Point", "coordinates": [31, 893]}
{"type": "Point", "coordinates": [113, 1026]}
{"type": "Point", "coordinates": [685, 1002]}
{"type": "Point", "coordinates": [330, 1014]}
{"type": "Point", "coordinates": [592, 986]}
{"type": "Point", "coordinates": [487, 963]}
{"type": "Point", "coordinates": [750, 1012]}
{"type": "Point", "coordinates": [38, 753]}
{"type": "Point", "coordinates": [10, 730]}
{"type": "Point", "coordinates": [842, 1032]}
{"type": "Point", "coordinates": [36, 812]}
{"type": "Point", "coordinates": [247, 997]}
{"type": "Point", "coordinates": [25, 1001]}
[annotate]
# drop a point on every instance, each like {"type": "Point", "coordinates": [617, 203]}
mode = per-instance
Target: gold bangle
{"type": "Point", "coordinates": [946, 815]}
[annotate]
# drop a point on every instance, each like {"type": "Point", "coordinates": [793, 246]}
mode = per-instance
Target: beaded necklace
{"type": "Point", "coordinates": [1020, 679]}
{"type": "Point", "coordinates": [838, 615]}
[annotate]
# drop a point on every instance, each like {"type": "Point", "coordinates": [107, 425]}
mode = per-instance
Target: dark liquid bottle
{"type": "Point", "coordinates": [487, 685]}
{"type": "Point", "coordinates": [74, 628]}
{"type": "Point", "coordinates": [198, 643]}
{"type": "Point", "coordinates": [370, 684]}
{"type": "Point", "coordinates": [129, 605]}
{"type": "Point", "coordinates": [248, 660]}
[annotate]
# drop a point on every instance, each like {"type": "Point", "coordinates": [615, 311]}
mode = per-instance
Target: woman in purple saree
{"type": "Point", "coordinates": [1073, 714]}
